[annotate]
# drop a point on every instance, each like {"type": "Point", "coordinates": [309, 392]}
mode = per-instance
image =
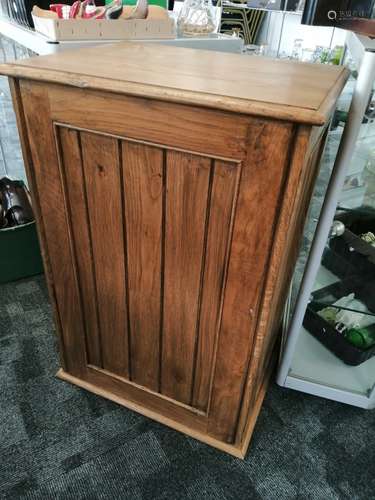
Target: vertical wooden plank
{"type": "Point", "coordinates": [260, 191]}
{"type": "Point", "coordinates": [53, 213]}
{"type": "Point", "coordinates": [186, 210]}
{"type": "Point", "coordinates": [72, 175]}
{"type": "Point", "coordinates": [104, 187]}
{"type": "Point", "coordinates": [143, 190]}
{"type": "Point", "coordinates": [226, 176]}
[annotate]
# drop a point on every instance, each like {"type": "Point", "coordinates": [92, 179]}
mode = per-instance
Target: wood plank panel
{"type": "Point", "coordinates": [53, 214]}
{"type": "Point", "coordinates": [260, 192]}
{"type": "Point", "coordinates": [226, 176]}
{"type": "Point", "coordinates": [187, 186]}
{"type": "Point", "coordinates": [103, 185]}
{"type": "Point", "coordinates": [73, 180]}
{"type": "Point", "coordinates": [143, 191]}
{"type": "Point", "coordinates": [175, 125]}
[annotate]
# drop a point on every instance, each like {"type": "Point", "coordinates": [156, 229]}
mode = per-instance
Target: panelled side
{"type": "Point", "coordinates": [150, 230]}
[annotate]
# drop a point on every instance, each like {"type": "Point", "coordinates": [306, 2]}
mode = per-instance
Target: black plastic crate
{"type": "Point", "coordinates": [349, 248]}
{"type": "Point", "coordinates": [326, 333]}
{"type": "Point", "coordinates": [338, 265]}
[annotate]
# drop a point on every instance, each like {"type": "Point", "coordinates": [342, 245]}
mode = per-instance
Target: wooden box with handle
{"type": "Point", "coordinates": [171, 187]}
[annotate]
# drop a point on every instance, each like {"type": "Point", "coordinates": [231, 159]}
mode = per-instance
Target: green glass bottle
{"type": "Point", "coordinates": [361, 337]}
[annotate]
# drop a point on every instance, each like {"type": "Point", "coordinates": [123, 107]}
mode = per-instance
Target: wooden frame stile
{"type": "Point", "coordinates": [305, 155]}
{"type": "Point", "coordinates": [45, 172]}
{"type": "Point", "coordinates": [241, 308]}
{"type": "Point", "coordinates": [253, 393]}
{"type": "Point", "coordinates": [28, 162]}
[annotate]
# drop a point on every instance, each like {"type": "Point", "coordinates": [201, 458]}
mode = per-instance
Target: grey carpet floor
{"type": "Point", "coordinates": [60, 442]}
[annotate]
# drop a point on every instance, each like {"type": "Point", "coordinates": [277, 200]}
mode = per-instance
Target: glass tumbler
{"type": "Point", "coordinates": [197, 17]}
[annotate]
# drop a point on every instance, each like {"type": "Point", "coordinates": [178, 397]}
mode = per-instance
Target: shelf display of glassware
{"type": "Point", "coordinates": [196, 17]}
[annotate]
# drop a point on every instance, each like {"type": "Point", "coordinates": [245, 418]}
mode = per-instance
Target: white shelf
{"type": "Point", "coordinates": [314, 363]}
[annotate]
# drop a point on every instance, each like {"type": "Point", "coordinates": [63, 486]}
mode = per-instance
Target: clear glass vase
{"type": "Point", "coordinates": [196, 17]}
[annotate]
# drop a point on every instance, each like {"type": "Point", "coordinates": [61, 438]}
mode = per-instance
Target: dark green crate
{"type": "Point", "coordinates": [19, 253]}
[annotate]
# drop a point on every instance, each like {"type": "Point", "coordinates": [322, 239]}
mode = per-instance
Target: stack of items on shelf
{"type": "Point", "coordinates": [19, 248]}
{"type": "Point", "coordinates": [88, 10]}
{"type": "Point", "coordinates": [114, 21]}
{"type": "Point", "coordinates": [342, 315]}
{"type": "Point", "coordinates": [350, 252]}
{"type": "Point", "coordinates": [318, 54]}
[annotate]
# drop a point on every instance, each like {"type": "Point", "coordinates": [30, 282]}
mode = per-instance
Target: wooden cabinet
{"type": "Point", "coordinates": [170, 187]}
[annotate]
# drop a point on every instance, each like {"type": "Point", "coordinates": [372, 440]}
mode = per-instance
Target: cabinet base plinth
{"type": "Point", "coordinates": [237, 451]}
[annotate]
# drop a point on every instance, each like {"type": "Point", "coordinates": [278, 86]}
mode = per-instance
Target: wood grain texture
{"type": "Point", "coordinates": [30, 173]}
{"type": "Point", "coordinates": [119, 391]}
{"type": "Point", "coordinates": [286, 245]}
{"type": "Point", "coordinates": [101, 167]}
{"type": "Point", "coordinates": [102, 384]}
{"type": "Point", "coordinates": [53, 211]}
{"type": "Point", "coordinates": [221, 215]}
{"type": "Point", "coordinates": [262, 86]}
{"type": "Point", "coordinates": [275, 273]}
{"type": "Point", "coordinates": [243, 445]}
{"type": "Point", "coordinates": [258, 204]}
{"type": "Point", "coordinates": [143, 191]}
{"type": "Point", "coordinates": [187, 197]}
{"type": "Point", "coordinates": [183, 127]}
{"type": "Point", "coordinates": [74, 186]}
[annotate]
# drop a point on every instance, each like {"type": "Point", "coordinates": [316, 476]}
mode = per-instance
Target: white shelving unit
{"type": "Point", "coordinates": [306, 365]}
{"type": "Point", "coordinates": [314, 363]}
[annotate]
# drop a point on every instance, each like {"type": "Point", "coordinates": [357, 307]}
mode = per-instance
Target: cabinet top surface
{"type": "Point", "coordinates": [284, 89]}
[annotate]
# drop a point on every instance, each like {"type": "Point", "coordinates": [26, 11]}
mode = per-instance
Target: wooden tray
{"type": "Point", "coordinates": [105, 29]}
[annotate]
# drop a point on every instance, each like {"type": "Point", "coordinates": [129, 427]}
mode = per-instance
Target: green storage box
{"type": "Point", "coordinates": [20, 255]}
